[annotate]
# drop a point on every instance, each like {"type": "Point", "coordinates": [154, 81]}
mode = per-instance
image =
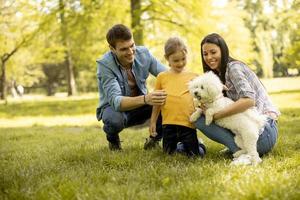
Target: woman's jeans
{"type": "Point", "coordinates": [265, 142]}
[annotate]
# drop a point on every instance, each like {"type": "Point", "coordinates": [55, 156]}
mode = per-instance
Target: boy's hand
{"type": "Point", "coordinates": [152, 129]}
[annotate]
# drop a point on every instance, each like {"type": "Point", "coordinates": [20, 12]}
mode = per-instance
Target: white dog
{"type": "Point", "coordinates": [207, 90]}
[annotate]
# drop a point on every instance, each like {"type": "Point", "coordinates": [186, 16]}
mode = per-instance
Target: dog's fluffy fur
{"type": "Point", "coordinates": [207, 89]}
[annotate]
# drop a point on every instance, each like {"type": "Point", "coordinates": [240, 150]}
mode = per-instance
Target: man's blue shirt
{"type": "Point", "coordinates": [113, 81]}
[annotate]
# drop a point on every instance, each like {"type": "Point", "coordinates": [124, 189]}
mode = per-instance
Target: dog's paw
{"type": "Point", "coordinates": [256, 160]}
{"type": "Point", "coordinates": [243, 159]}
{"type": "Point", "coordinates": [238, 153]}
{"type": "Point", "coordinates": [208, 120]}
{"type": "Point", "coordinates": [208, 116]}
{"type": "Point", "coordinates": [196, 103]}
{"type": "Point", "coordinates": [195, 115]}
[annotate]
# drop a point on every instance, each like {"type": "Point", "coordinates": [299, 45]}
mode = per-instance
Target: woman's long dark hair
{"type": "Point", "coordinates": [216, 39]}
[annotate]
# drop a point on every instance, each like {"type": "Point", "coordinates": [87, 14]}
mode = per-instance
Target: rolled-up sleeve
{"type": "Point", "coordinates": [240, 82]}
{"type": "Point", "coordinates": [109, 86]}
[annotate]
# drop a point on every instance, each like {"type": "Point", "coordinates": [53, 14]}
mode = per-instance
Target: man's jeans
{"type": "Point", "coordinates": [114, 121]}
{"type": "Point", "coordinates": [265, 142]}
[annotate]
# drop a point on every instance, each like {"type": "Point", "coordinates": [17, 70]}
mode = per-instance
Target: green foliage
{"type": "Point", "coordinates": [85, 21]}
{"type": "Point", "coordinates": [291, 53]}
{"type": "Point", "coordinates": [264, 40]}
{"type": "Point", "coordinates": [272, 25]}
{"type": "Point", "coordinates": [192, 20]}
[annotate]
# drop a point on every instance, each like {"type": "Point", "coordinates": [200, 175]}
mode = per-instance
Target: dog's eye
{"type": "Point", "coordinates": [202, 87]}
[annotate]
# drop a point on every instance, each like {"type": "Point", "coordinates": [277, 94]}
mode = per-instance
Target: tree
{"type": "Point", "coordinates": [270, 25]}
{"type": "Point", "coordinates": [68, 56]}
{"type": "Point", "coordinates": [288, 51]}
{"type": "Point", "coordinates": [136, 24]}
{"type": "Point", "coordinates": [74, 35]}
{"type": "Point", "coordinates": [16, 33]}
{"type": "Point", "coordinates": [76, 31]}
{"type": "Point", "coordinates": [192, 20]}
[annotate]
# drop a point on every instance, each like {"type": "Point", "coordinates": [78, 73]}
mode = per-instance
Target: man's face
{"type": "Point", "coordinates": [124, 50]}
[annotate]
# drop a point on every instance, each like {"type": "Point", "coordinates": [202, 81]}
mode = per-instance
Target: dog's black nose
{"type": "Point", "coordinates": [195, 93]}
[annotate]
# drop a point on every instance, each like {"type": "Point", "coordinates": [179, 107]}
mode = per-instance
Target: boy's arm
{"type": "Point", "coordinates": [153, 120]}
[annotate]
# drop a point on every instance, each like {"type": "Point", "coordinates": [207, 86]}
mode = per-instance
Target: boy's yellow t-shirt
{"type": "Point", "coordinates": [179, 102]}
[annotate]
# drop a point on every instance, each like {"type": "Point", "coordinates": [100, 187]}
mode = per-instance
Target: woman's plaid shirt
{"type": "Point", "coordinates": [241, 82]}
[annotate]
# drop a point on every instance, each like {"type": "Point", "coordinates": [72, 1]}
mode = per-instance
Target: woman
{"type": "Point", "coordinates": [244, 87]}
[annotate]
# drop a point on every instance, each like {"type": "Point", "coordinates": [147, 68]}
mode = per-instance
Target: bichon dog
{"type": "Point", "coordinates": [207, 89]}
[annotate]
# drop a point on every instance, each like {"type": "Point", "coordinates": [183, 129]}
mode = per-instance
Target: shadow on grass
{"type": "Point", "coordinates": [49, 108]}
{"type": "Point", "coordinates": [290, 114]}
{"type": "Point", "coordinates": [285, 92]}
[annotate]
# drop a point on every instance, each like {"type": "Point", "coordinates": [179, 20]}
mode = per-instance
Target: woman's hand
{"type": "Point", "coordinates": [225, 88]}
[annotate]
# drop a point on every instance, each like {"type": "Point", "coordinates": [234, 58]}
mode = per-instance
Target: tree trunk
{"type": "Point", "coordinates": [263, 42]}
{"type": "Point", "coordinates": [50, 89]}
{"type": "Point", "coordinates": [70, 75]}
{"type": "Point", "coordinates": [68, 57]}
{"type": "Point", "coordinates": [3, 80]}
{"type": "Point", "coordinates": [136, 25]}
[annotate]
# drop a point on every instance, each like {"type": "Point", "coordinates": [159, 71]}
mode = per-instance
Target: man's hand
{"type": "Point", "coordinates": [156, 98]}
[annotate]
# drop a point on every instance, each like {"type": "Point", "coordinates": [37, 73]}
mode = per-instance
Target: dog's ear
{"type": "Point", "coordinates": [217, 81]}
{"type": "Point", "coordinates": [213, 83]}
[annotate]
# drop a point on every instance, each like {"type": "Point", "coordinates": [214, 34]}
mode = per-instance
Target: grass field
{"type": "Point", "coordinates": [55, 149]}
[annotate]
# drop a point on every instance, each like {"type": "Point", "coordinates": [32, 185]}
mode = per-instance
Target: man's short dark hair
{"type": "Point", "coordinates": [118, 32]}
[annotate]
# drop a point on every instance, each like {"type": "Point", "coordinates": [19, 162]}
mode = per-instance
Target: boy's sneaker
{"type": "Point", "coordinates": [115, 146]}
{"type": "Point", "coordinates": [202, 149]}
{"type": "Point", "coordinates": [151, 143]}
{"type": "Point", "coordinates": [181, 149]}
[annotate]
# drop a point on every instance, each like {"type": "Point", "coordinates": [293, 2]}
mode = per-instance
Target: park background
{"type": "Point", "coordinates": [51, 145]}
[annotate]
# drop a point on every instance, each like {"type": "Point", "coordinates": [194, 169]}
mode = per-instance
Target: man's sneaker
{"type": "Point", "coordinates": [151, 143]}
{"type": "Point", "coordinates": [115, 146]}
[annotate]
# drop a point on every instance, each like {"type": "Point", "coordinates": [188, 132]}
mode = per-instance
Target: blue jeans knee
{"type": "Point", "coordinates": [113, 122]}
{"type": "Point", "coordinates": [268, 138]}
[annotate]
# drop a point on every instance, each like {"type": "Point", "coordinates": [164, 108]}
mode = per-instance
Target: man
{"type": "Point", "coordinates": [121, 75]}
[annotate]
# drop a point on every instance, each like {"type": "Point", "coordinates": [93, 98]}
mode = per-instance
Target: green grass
{"type": "Point", "coordinates": [72, 161]}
